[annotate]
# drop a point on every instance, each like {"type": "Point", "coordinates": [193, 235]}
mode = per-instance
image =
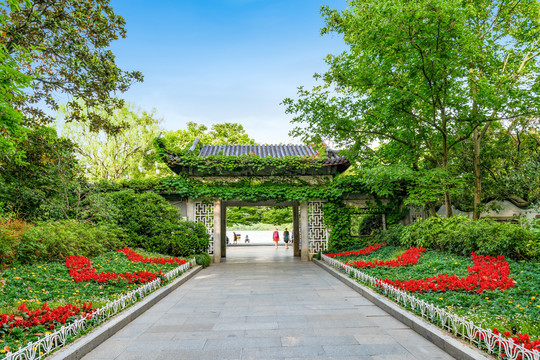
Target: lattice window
{"type": "Point", "coordinates": [417, 213]}
{"type": "Point", "coordinates": [318, 240]}
{"type": "Point", "coordinates": [204, 213]}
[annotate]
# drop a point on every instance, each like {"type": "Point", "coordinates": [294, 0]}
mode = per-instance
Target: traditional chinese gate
{"type": "Point", "coordinates": [231, 163]}
{"type": "Point", "coordinates": [308, 224]}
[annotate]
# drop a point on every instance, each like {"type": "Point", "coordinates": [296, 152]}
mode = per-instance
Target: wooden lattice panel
{"type": "Point", "coordinates": [316, 231]}
{"type": "Point", "coordinates": [204, 213]}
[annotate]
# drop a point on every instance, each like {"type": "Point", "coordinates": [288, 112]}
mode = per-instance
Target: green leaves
{"type": "Point", "coordinates": [68, 41]}
{"type": "Point", "coordinates": [417, 80]}
{"type": "Point", "coordinates": [122, 155]}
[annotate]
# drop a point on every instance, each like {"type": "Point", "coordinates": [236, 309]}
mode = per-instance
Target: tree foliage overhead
{"type": "Point", "coordinates": [68, 41]}
{"type": "Point", "coordinates": [274, 215]}
{"type": "Point", "coordinates": [217, 134]}
{"type": "Point", "coordinates": [120, 155]}
{"type": "Point", "coordinates": [420, 81]}
{"type": "Point", "coordinates": [12, 82]}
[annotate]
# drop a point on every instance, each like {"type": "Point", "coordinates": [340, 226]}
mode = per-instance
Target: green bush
{"type": "Point", "coordinates": [149, 222]}
{"type": "Point", "coordinates": [392, 236]}
{"type": "Point", "coordinates": [461, 235]}
{"type": "Point", "coordinates": [56, 240]}
{"type": "Point", "coordinates": [143, 216]}
{"type": "Point", "coordinates": [10, 232]}
{"type": "Point", "coordinates": [203, 259]}
{"type": "Point", "coordinates": [181, 239]}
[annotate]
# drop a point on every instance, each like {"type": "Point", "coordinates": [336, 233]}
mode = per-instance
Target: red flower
{"type": "Point", "coordinates": [364, 251]}
{"type": "Point", "coordinates": [409, 257]}
{"type": "Point", "coordinates": [43, 316]}
{"type": "Point", "coordinates": [487, 273]}
{"type": "Point", "coordinates": [139, 258]}
{"type": "Point", "coordinates": [81, 270]}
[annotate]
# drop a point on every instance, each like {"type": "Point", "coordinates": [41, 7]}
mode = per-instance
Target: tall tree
{"type": "Point", "coordinates": [119, 155]}
{"type": "Point", "coordinates": [422, 77]}
{"type": "Point", "coordinates": [217, 134]}
{"type": "Point", "coordinates": [68, 41]}
{"type": "Point", "coordinates": [12, 82]}
{"type": "Point", "coordinates": [48, 184]}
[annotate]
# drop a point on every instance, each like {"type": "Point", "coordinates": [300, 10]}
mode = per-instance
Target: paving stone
{"type": "Point", "coordinates": [265, 304]}
{"type": "Point", "coordinates": [287, 341]}
{"type": "Point", "coordinates": [111, 348]}
{"type": "Point", "coordinates": [231, 354]}
{"type": "Point", "coordinates": [365, 349]}
{"type": "Point", "coordinates": [242, 343]}
{"type": "Point", "coordinates": [303, 352]}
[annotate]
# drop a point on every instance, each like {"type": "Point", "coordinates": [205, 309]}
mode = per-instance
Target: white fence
{"type": "Point", "coordinates": [50, 342]}
{"type": "Point", "coordinates": [459, 326]}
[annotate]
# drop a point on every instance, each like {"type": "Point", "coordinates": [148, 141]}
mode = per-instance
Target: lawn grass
{"type": "Point", "coordinates": [516, 310]}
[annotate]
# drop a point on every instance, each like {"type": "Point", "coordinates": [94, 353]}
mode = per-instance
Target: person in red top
{"type": "Point", "coordinates": [275, 237]}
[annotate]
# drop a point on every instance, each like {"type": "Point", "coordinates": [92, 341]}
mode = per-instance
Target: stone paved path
{"type": "Point", "coordinates": [263, 303]}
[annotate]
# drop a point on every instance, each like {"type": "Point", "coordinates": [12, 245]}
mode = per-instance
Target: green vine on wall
{"type": "Point", "coordinates": [337, 215]}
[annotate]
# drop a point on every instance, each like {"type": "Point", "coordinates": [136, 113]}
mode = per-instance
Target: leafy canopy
{"type": "Point", "coordinates": [68, 42]}
{"type": "Point", "coordinates": [217, 134]}
{"type": "Point", "coordinates": [418, 79]}
{"type": "Point", "coordinates": [120, 155]}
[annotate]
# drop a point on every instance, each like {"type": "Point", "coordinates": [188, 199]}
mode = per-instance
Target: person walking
{"type": "Point", "coordinates": [275, 237]}
{"type": "Point", "coordinates": [286, 238]}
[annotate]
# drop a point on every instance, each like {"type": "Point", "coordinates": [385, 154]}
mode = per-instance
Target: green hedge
{"type": "Point", "coordinates": [461, 235]}
{"type": "Point", "coordinates": [148, 221]}
{"type": "Point", "coordinates": [55, 240]}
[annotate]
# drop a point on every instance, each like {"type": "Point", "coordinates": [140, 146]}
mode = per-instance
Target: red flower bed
{"type": "Point", "coordinates": [364, 251]}
{"type": "Point", "coordinates": [80, 269]}
{"type": "Point", "coordinates": [487, 273]}
{"type": "Point", "coordinates": [409, 257]}
{"type": "Point", "coordinates": [139, 258]}
{"type": "Point", "coordinates": [43, 316]}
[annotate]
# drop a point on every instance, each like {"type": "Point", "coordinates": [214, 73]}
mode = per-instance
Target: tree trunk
{"type": "Point", "coordinates": [447, 200]}
{"type": "Point", "coordinates": [431, 209]}
{"type": "Point", "coordinates": [477, 138]}
{"type": "Point", "coordinates": [448, 204]}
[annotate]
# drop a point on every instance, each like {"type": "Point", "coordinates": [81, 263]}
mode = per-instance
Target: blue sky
{"type": "Point", "coordinates": [214, 61]}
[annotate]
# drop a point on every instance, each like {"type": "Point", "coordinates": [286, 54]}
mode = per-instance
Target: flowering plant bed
{"type": "Point", "coordinates": [36, 299]}
{"type": "Point", "coordinates": [492, 292]}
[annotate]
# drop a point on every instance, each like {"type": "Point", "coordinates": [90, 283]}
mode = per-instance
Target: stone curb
{"type": "Point", "coordinates": [444, 340]}
{"type": "Point", "coordinates": [94, 338]}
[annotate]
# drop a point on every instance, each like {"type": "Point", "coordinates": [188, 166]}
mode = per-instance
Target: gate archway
{"type": "Point", "coordinates": [225, 166]}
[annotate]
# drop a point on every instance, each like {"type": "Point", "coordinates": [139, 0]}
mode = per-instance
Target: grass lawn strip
{"type": "Point", "coordinates": [30, 290]}
{"type": "Point", "coordinates": [513, 313]}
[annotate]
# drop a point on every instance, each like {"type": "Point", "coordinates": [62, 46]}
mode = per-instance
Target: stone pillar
{"type": "Point", "coordinates": [304, 245]}
{"type": "Point", "coordinates": [190, 206]}
{"type": "Point", "coordinates": [217, 231]}
{"type": "Point", "coordinates": [296, 231]}
{"type": "Point", "coordinates": [223, 230]}
{"type": "Point", "coordinates": [384, 221]}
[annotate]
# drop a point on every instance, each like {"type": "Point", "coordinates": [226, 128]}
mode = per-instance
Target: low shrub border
{"type": "Point", "coordinates": [490, 341]}
{"type": "Point", "coordinates": [59, 338]}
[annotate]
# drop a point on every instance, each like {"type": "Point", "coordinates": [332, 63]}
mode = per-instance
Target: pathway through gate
{"type": "Point", "coordinates": [263, 303]}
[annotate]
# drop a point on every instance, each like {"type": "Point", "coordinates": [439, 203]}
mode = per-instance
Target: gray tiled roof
{"type": "Point", "coordinates": [276, 151]}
